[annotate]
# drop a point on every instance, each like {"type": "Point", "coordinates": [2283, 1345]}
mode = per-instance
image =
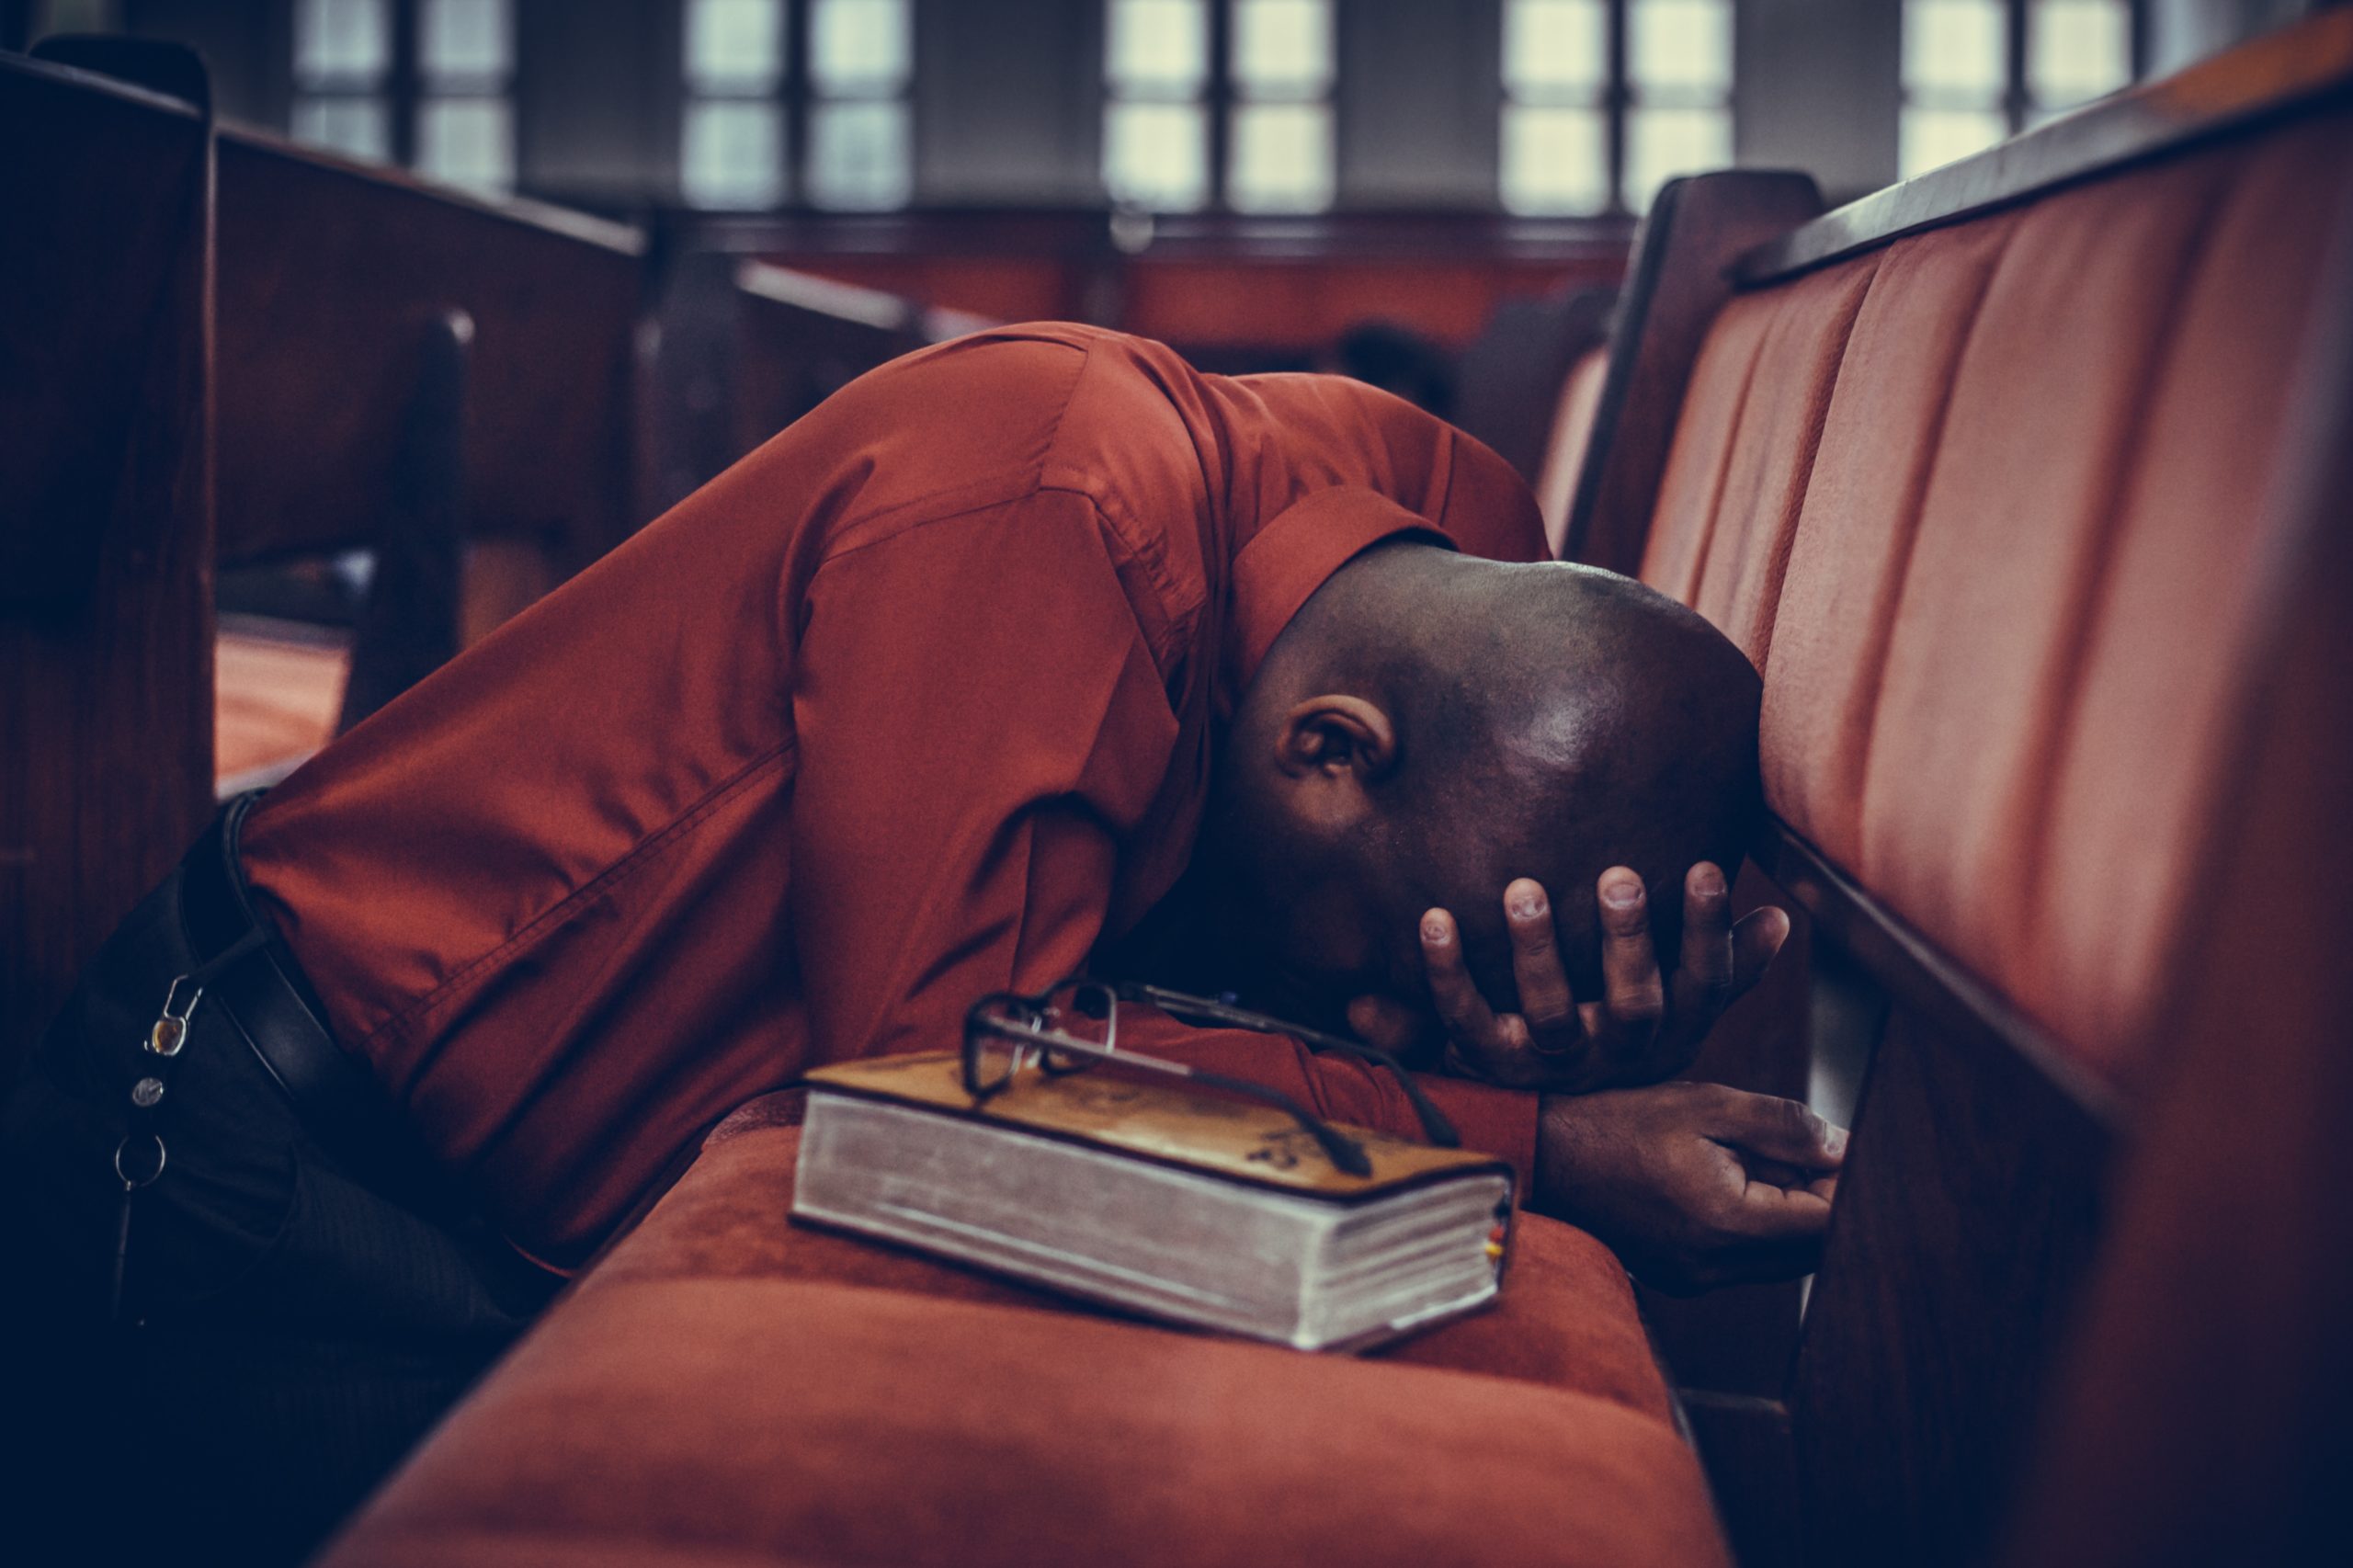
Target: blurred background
{"type": "Point", "coordinates": [1249, 179]}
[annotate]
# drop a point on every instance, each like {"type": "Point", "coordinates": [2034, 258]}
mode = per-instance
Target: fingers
{"type": "Point", "coordinates": [1771, 1213]}
{"type": "Point", "coordinates": [1703, 977]}
{"type": "Point", "coordinates": [1755, 942]}
{"type": "Point", "coordinates": [1633, 991]}
{"type": "Point", "coordinates": [1469, 1022]}
{"type": "Point", "coordinates": [1780, 1129]}
{"type": "Point", "coordinates": [1545, 1001]}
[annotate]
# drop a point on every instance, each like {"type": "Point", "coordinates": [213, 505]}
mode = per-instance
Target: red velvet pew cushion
{"type": "Point", "coordinates": [725, 1387]}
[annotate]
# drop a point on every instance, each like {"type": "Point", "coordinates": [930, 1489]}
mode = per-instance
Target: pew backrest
{"type": "Point", "coordinates": [1994, 475]}
{"type": "Point", "coordinates": [106, 757]}
{"type": "Point", "coordinates": [332, 272]}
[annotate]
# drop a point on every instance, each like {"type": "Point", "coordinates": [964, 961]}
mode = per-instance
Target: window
{"type": "Point", "coordinates": [1280, 149]}
{"type": "Point", "coordinates": [1975, 71]}
{"type": "Point", "coordinates": [1606, 100]}
{"type": "Point", "coordinates": [820, 83]}
{"type": "Point", "coordinates": [1218, 103]}
{"type": "Point", "coordinates": [862, 58]}
{"type": "Point", "coordinates": [465, 125]}
{"type": "Point", "coordinates": [343, 65]}
{"type": "Point", "coordinates": [732, 144]}
{"type": "Point", "coordinates": [1156, 126]}
{"type": "Point", "coordinates": [426, 83]}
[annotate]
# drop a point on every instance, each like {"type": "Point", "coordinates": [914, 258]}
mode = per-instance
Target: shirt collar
{"type": "Point", "coordinates": [1283, 564]}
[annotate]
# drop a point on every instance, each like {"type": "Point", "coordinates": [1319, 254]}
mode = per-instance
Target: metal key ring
{"type": "Point", "coordinates": [128, 1183]}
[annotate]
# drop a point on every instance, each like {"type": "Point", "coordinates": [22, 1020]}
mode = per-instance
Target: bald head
{"type": "Point", "coordinates": [1431, 726]}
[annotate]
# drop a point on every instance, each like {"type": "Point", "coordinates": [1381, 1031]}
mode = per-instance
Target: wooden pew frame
{"type": "Point", "coordinates": [105, 563]}
{"type": "Point", "coordinates": [1973, 1208]}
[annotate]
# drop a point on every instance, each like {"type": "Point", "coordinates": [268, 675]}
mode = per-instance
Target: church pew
{"type": "Point", "coordinates": [439, 380]}
{"type": "Point", "coordinates": [742, 347]}
{"type": "Point", "coordinates": [1508, 379]}
{"type": "Point", "coordinates": [2024, 484]}
{"type": "Point", "coordinates": [106, 636]}
{"type": "Point", "coordinates": [331, 274]}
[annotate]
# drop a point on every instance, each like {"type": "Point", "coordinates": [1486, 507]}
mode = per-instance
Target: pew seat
{"type": "Point", "coordinates": [725, 1387]}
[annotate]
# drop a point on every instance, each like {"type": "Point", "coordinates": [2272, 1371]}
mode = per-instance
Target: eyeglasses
{"type": "Point", "coordinates": [1076, 1024]}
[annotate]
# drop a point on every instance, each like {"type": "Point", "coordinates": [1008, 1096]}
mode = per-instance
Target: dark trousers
{"type": "Point", "coordinates": [292, 1323]}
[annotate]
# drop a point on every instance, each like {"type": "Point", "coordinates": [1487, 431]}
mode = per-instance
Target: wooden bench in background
{"type": "Point", "coordinates": [327, 358]}
{"type": "Point", "coordinates": [738, 349]}
{"type": "Point", "coordinates": [105, 531]}
{"type": "Point", "coordinates": [442, 381]}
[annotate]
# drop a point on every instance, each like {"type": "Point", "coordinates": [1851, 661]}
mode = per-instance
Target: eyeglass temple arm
{"type": "Point", "coordinates": [1346, 1154]}
{"type": "Point", "coordinates": [1436, 1125]}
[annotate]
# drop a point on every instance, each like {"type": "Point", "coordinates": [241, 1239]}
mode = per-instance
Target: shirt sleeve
{"type": "Point", "coordinates": [980, 722]}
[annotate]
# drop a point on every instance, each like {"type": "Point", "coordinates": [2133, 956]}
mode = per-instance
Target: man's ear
{"type": "Point", "coordinates": [1335, 737]}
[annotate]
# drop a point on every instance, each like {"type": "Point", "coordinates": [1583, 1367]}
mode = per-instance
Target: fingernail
{"type": "Point", "coordinates": [1528, 905]}
{"type": "Point", "coordinates": [1434, 929]}
{"type": "Point", "coordinates": [1834, 1142]}
{"type": "Point", "coordinates": [1709, 882]}
{"type": "Point", "coordinates": [1622, 891]}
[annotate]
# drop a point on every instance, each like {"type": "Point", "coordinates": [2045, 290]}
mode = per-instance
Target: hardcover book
{"type": "Point", "coordinates": [1163, 1200]}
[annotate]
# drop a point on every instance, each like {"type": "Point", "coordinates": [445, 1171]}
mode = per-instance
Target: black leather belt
{"type": "Point", "coordinates": [337, 1099]}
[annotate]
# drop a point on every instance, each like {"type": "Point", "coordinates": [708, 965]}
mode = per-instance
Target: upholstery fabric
{"type": "Point", "coordinates": [1566, 1318]}
{"type": "Point", "coordinates": [2001, 603]}
{"type": "Point", "coordinates": [725, 1387]}
{"type": "Point", "coordinates": [770, 1420]}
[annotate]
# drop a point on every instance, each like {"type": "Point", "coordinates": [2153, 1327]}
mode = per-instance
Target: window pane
{"type": "Point", "coordinates": [1556, 46]}
{"type": "Point", "coordinates": [1159, 45]}
{"type": "Point", "coordinates": [1283, 44]}
{"type": "Point", "coordinates": [1554, 160]}
{"type": "Point", "coordinates": [734, 45]}
{"type": "Point", "coordinates": [1931, 137]}
{"type": "Point", "coordinates": [467, 141]}
{"type": "Point", "coordinates": [1680, 43]}
{"type": "Point", "coordinates": [358, 127]}
{"type": "Point", "coordinates": [1281, 158]}
{"type": "Point", "coordinates": [1663, 142]}
{"type": "Point", "coordinates": [857, 154]}
{"type": "Point", "coordinates": [1157, 155]}
{"type": "Point", "coordinates": [2078, 50]}
{"type": "Point", "coordinates": [342, 37]}
{"type": "Point", "coordinates": [466, 38]}
{"type": "Point", "coordinates": [1957, 47]}
{"type": "Point", "coordinates": [860, 43]}
{"type": "Point", "coordinates": [732, 155]}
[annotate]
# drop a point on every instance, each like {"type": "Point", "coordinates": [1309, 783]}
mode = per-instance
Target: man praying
{"type": "Point", "coordinates": [1032, 653]}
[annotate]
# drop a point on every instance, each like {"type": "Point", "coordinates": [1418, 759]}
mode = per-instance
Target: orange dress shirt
{"type": "Point", "coordinates": [914, 702]}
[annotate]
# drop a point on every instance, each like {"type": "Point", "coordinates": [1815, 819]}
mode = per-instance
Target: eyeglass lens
{"type": "Point", "coordinates": [1084, 1011]}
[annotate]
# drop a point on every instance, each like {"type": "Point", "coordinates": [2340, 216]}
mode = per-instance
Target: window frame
{"type": "Point", "coordinates": [1620, 95]}
{"type": "Point", "coordinates": [406, 88]}
{"type": "Point", "coordinates": [2015, 103]}
{"type": "Point", "coordinates": [1223, 94]}
{"type": "Point", "coordinates": [796, 96]}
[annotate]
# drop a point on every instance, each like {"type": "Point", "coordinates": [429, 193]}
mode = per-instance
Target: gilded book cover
{"type": "Point", "coordinates": [1160, 1119]}
{"type": "Point", "coordinates": [1157, 1198]}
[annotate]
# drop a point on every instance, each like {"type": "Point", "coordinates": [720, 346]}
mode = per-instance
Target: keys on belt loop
{"type": "Point", "coordinates": [170, 1032]}
{"type": "Point", "coordinates": [140, 1156]}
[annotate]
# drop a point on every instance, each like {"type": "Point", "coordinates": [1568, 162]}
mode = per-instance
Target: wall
{"type": "Point", "coordinates": [1420, 103]}
{"type": "Point", "coordinates": [1009, 101]}
{"type": "Point", "coordinates": [1818, 88]}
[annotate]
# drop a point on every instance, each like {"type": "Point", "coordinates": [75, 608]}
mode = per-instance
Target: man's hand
{"type": "Point", "coordinates": [1693, 1185]}
{"type": "Point", "coordinates": [1643, 1029]}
